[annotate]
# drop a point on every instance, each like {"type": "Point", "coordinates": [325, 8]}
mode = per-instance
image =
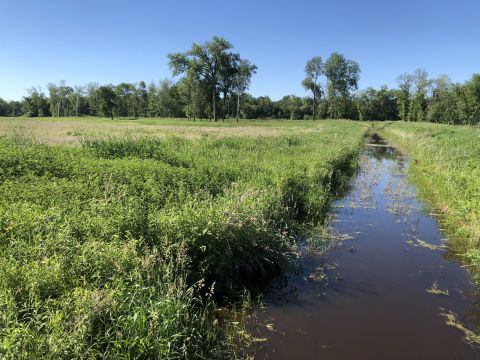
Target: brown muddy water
{"type": "Point", "coordinates": [383, 291]}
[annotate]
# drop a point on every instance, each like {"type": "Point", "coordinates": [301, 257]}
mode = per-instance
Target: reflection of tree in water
{"type": "Point", "coordinates": [363, 184]}
{"type": "Point", "coordinates": [382, 152]}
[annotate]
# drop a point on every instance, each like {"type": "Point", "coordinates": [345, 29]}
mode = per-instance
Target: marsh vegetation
{"type": "Point", "coordinates": [143, 229]}
{"type": "Point", "coordinates": [382, 290]}
{"type": "Point", "coordinates": [124, 246]}
{"type": "Point", "coordinates": [152, 238]}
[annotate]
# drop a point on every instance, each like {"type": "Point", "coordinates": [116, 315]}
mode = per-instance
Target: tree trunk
{"type": "Point", "coordinates": [228, 107]}
{"type": "Point", "coordinates": [314, 88]}
{"type": "Point", "coordinates": [214, 103]}
{"type": "Point", "coordinates": [313, 117]}
{"type": "Point", "coordinates": [238, 106]}
{"type": "Point", "coordinates": [224, 114]}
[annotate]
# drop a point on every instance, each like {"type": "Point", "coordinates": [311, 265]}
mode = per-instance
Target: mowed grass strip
{"type": "Point", "coordinates": [120, 247]}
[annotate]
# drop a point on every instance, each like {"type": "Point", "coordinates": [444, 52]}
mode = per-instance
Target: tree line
{"type": "Point", "coordinates": [213, 81]}
{"type": "Point", "coordinates": [438, 100]}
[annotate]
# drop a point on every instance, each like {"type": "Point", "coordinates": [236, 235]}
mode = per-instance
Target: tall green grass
{"type": "Point", "coordinates": [122, 247]}
{"type": "Point", "coordinates": [446, 168]}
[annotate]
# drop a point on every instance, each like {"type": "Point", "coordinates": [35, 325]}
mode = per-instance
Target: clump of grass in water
{"type": "Point", "coordinates": [321, 243]}
{"type": "Point", "coordinates": [436, 291]}
{"type": "Point", "coordinates": [470, 337]}
{"type": "Point", "coordinates": [325, 240]}
{"type": "Point", "coordinates": [415, 241]}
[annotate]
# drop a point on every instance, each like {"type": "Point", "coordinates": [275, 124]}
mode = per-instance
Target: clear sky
{"type": "Point", "coordinates": [106, 41]}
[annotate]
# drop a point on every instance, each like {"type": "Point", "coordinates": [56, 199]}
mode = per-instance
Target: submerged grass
{"type": "Point", "coordinates": [124, 247]}
{"type": "Point", "coordinates": [415, 241]}
{"type": "Point", "coordinates": [470, 337]}
{"type": "Point", "coordinates": [446, 168]}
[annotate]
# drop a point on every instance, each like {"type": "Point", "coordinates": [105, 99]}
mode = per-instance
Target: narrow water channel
{"type": "Point", "coordinates": [381, 292]}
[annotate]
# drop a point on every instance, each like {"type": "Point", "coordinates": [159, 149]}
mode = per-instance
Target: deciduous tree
{"type": "Point", "coordinates": [106, 100]}
{"type": "Point", "coordinates": [207, 61]}
{"type": "Point", "coordinates": [342, 77]}
{"type": "Point", "coordinates": [313, 71]}
{"type": "Point", "coordinates": [242, 79]}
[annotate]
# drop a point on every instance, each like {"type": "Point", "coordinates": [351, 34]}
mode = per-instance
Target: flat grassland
{"type": "Point", "coordinates": [446, 170]}
{"type": "Point", "coordinates": [72, 130]}
{"type": "Point", "coordinates": [119, 239]}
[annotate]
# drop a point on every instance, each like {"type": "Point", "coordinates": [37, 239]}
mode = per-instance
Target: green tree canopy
{"type": "Point", "coordinates": [209, 61]}
{"type": "Point", "coordinates": [313, 71]}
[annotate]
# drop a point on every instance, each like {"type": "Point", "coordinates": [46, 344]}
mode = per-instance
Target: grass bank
{"type": "Point", "coordinates": [446, 169]}
{"type": "Point", "coordinates": [121, 246]}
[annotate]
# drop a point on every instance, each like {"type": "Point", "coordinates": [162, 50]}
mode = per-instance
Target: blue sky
{"type": "Point", "coordinates": [112, 41]}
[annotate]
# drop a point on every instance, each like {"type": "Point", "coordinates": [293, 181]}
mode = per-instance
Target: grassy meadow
{"type": "Point", "coordinates": [71, 130]}
{"type": "Point", "coordinates": [121, 239]}
{"type": "Point", "coordinates": [446, 170]}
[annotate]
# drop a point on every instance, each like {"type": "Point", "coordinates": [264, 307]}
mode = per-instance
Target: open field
{"type": "Point", "coordinates": [446, 170]}
{"type": "Point", "coordinates": [72, 130]}
{"type": "Point", "coordinates": [120, 244]}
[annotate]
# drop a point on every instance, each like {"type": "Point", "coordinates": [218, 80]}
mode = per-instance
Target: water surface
{"type": "Point", "coordinates": [366, 297]}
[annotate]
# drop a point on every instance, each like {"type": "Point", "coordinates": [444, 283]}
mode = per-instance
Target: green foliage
{"type": "Point", "coordinates": [64, 100]}
{"type": "Point", "coordinates": [35, 104]}
{"type": "Point", "coordinates": [107, 100]}
{"type": "Point", "coordinates": [438, 100]}
{"type": "Point", "coordinates": [213, 65]}
{"type": "Point", "coordinates": [215, 80]}
{"type": "Point", "coordinates": [418, 107]}
{"type": "Point", "coordinates": [469, 101]}
{"type": "Point", "coordinates": [126, 101]}
{"type": "Point", "coordinates": [377, 105]}
{"type": "Point", "coordinates": [313, 71]}
{"type": "Point", "coordinates": [342, 78]}
{"type": "Point", "coordinates": [120, 248]}
{"type": "Point", "coordinates": [342, 75]}
{"type": "Point", "coordinates": [242, 76]}
{"type": "Point", "coordinates": [4, 108]}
